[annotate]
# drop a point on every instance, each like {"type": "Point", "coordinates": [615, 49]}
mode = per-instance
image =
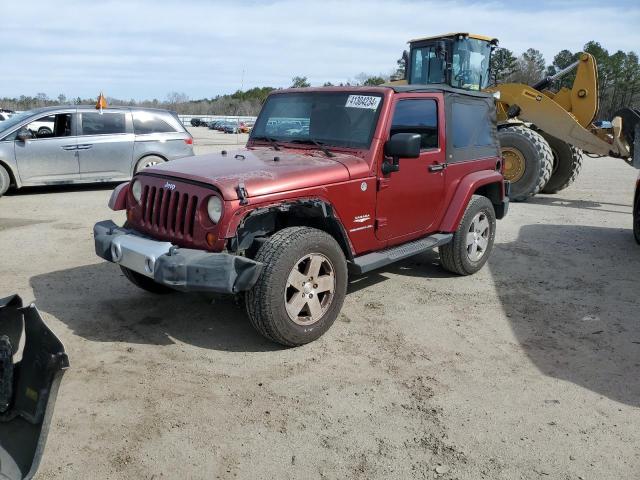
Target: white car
{"type": "Point", "coordinates": [43, 126]}
{"type": "Point", "coordinates": [5, 114]}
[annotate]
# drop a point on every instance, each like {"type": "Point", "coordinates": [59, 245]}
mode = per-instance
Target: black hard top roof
{"type": "Point", "coordinates": [437, 87]}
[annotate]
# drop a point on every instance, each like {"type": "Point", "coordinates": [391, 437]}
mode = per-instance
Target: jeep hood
{"type": "Point", "coordinates": [263, 170]}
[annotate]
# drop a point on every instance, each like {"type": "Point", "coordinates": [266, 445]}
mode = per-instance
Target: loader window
{"type": "Point", "coordinates": [427, 67]}
{"type": "Point", "coordinates": [417, 116]}
{"type": "Point", "coordinates": [470, 64]}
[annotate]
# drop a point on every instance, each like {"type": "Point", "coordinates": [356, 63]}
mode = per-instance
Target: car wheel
{"type": "Point", "coordinates": [5, 180]}
{"type": "Point", "coordinates": [528, 160]}
{"type": "Point", "coordinates": [145, 283]}
{"type": "Point", "coordinates": [44, 131]}
{"type": "Point", "coordinates": [302, 287]}
{"type": "Point", "coordinates": [148, 161]}
{"type": "Point", "coordinates": [473, 241]}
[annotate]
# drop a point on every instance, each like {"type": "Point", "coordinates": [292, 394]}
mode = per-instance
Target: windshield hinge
{"type": "Point", "coordinates": [242, 193]}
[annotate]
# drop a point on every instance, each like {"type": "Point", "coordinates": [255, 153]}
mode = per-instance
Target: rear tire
{"type": "Point", "coordinates": [145, 283]}
{"type": "Point", "coordinates": [293, 302]}
{"type": "Point", "coordinates": [5, 180]}
{"type": "Point", "coordinates": [528, 160]}
{"type": "Point", "coordinates": [148, 161]}
{"type": "Point", "coordinates": [473, 241]}
{"type": "Point", "coordinates": [567, 163]}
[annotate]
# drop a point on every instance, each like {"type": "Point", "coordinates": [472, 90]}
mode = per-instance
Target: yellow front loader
{"type": "Point", "coordinates": [542, 133]}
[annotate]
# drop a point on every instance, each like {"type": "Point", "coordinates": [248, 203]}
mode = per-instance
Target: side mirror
{"type": "Point", "coordinates": [23, 135]}
{"type": "Point", "coordinates": [400, 145]}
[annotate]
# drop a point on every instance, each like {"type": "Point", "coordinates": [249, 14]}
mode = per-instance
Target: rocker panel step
{"type": "Point", "coordinates": [371, 261]}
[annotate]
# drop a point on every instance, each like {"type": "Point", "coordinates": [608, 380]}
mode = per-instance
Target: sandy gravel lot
{"type": "Point", "coordinates": [527, 370]}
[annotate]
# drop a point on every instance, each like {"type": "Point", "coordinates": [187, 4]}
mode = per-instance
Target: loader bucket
{"type": "Point", "coordinates": [29, 381]}
{"type": "Point", "coordinates": [631, 131]}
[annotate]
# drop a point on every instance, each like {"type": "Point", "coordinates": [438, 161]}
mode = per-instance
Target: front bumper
{"type": "Point", "coordinates": [183, 269]}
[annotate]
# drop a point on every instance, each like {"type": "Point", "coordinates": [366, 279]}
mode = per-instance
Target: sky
{"type": "Point", "coordinates": [145, 49]}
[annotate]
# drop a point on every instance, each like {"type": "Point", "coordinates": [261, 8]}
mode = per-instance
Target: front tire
{"type": "Point", "coordinates": [302, 287]}
{"type": "Point", "coordinates": [567, 163]}
{"type": "Point", "coordinates": [528, 160]}
{"type": "Point", "coordinates": [473, 241]}
{"type": "Point", "coordinates": [5, 180]}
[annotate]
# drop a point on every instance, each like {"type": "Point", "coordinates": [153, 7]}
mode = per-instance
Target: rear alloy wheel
{"type": "Point", "coordinates": [148, 161]}
{"type": "Point", "coordinates": [567, 163]}
{"type": "Point", "coordinates": [528, 160]}
{"type": "Point", "coordinates": [473, 241]}
{"type": "Point", "coordinates": [302, 287]}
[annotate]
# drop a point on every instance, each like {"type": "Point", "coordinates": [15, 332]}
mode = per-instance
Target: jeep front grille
{"type": "Point", "coordinates": [169, 211]}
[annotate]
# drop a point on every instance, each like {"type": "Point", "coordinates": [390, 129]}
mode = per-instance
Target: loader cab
{"type": "Point", "coordinates": [460, 60]}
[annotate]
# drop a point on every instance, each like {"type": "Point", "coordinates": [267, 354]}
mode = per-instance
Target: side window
{"type": "Point", "coordinates": [417, 116]}
{"type": "Point", "coordinates": [51, 126]}
{"type": "Point", "coordinates": [145, 123]}
{"type": "Point", "coordinates": [103, 123]}
{"type": "Point", "coordinates": [471, 127]}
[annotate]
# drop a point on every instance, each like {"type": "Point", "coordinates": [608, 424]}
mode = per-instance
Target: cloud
{"type": "Point", "coordinates": [147, 48]}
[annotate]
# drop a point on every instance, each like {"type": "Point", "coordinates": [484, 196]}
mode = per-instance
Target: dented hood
{"type": "Point", "coordinates": [264, 171]}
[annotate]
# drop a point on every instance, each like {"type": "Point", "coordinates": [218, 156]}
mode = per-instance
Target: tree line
{"type": "Point", "coordinates": [618, 77]}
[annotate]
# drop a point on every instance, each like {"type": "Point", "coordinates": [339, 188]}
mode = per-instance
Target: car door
{"type": "Point", "coordinates": [105, 144]}
{"type": "Point", "coordinates": [50, 155]}
{"type": "Point", "coordinates": [410, 201]}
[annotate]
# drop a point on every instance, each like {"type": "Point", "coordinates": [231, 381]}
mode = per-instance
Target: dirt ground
{"type": "Point", "coordinates": [526, 370]}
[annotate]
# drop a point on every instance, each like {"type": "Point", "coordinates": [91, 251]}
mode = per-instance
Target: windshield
{"type": "Point", "coordinates": [343, 119]}
{"type": "Point", "coordinates": [14, 120]}
{"type": "Point", "coordinates": [470, 64]}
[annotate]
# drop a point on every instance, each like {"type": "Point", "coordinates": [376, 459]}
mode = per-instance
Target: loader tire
{"type": "Point", "coordinates": [528, 160]}
{"type": "Point", "coordinates": [567, 163]}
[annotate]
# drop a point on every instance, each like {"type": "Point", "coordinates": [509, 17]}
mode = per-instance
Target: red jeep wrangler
{"type": "Point", "coordinates": [331, 180]}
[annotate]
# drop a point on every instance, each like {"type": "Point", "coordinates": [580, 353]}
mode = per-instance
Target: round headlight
{"type": "Point", "coordinates": [136, 190]}
{"type": "Point", "coordinates": [214, 209]}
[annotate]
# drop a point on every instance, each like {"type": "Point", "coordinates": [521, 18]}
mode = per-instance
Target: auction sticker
{"type": "Point", "coordinates": [363, 101]}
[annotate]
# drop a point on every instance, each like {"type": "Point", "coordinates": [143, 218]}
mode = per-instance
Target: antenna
{"type": "Point", "coordinates": [241, 97]}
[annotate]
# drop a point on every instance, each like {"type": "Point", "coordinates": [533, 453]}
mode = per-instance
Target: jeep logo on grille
{"type": "Point", "coordinates": [169, 186]}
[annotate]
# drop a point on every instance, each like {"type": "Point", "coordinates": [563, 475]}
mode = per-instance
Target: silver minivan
{"type": "Point", "coordinates": [79, 144]}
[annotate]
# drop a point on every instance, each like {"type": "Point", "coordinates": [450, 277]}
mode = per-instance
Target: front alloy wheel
{"type": "Point", "coordinates": [301, 288]}
{"type": "Point", "coordinates": [310, 289]}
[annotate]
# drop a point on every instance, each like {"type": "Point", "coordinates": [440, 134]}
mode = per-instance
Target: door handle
{"type": "Point", "coordinates": [437, 167]}
{"type": "Point", "coordinates": [86, 146]}
{"type": "Point", "coordinates": [69, 147]}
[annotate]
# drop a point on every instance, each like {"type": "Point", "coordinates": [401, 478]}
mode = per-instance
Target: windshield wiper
{"type": "Point", "coordinates": [271, 140]}
{"type": "Point", "coordinates": [317, 143]}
